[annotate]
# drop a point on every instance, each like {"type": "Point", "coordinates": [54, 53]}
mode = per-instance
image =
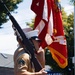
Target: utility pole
{"type": "Point", "coordinates": [74, 37]}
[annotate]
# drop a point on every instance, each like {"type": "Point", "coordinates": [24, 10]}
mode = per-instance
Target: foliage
{"type": "Point", "coordinates": [70, 34]}
{"type": "Point", "coordinates": [31, 24]}
{"type": "Point", "coordinates": [11, 5]}
{"type": "Point", "coordinates": [72, 1]}
{"type": "Point", "coordinates": [64, 17]}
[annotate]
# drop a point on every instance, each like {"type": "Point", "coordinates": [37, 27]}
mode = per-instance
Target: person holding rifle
{"type": "Point", "coordinates": [23, 64]}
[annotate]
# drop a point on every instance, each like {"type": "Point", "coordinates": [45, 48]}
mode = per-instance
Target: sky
{"type": "Point", "coordinates": [8, 43]}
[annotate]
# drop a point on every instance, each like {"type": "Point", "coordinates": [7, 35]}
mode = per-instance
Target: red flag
{"type": "Point", "coordinates": [42, 9]}
{"type": "Point", "coordinates": [49, 23]}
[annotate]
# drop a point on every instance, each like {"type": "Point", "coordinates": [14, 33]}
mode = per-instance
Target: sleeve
{"type": "Point", "coordinates": [22, 63]}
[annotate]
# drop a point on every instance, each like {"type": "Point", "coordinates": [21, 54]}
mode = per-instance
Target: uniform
{"type": "Point", "coordinates": [22, 58]}
{"type": "Point", "coordinates": [22, 61]}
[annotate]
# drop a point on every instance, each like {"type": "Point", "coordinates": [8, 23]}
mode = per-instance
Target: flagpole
{"type": "Point", "coordinates": [74, 38]}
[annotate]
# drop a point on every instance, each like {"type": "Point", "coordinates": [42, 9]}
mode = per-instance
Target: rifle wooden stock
{"type": "Point", "coordinates": [26, 41]}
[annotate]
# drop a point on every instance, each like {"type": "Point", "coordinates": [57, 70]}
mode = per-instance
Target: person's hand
{"type": "Point", "coordinates": [40, 51]}
{"type": "Point", "coordinates": [41, 56]}
{"type": "Point", "coordinates": [42, 72]}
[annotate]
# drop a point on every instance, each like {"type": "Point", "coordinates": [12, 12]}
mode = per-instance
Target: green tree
{"type": "Point", "coordinates": [70, 34]}
{"type": "Point", "coordinates": [64, 17]}
{"type": "Point", "coordinates": [72, 1]}
{"type": "Point", "coordinates": [11, 5]}
{"type": "Point", "coordinates": [30, 24]}
{"type": "Point", "coordinates": [70, 40]}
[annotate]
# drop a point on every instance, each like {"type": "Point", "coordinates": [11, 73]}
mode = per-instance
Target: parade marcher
{"type": "Point", "coordinates": [22, 58]}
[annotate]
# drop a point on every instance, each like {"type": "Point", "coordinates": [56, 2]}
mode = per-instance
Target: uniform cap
{"type": "Point", "coordinates": [31, 34]}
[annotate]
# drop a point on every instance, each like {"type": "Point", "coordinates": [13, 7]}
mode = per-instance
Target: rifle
{"type": "Point", "coordinates": [25, 40]}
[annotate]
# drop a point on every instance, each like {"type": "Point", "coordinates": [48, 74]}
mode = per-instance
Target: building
{"type": "Point", "coordinates": [6, 64]}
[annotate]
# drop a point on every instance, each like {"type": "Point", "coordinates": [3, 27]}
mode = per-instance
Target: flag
{"type": "Point", "coordinates": [48, 21]}
{"type": "Point", "coordinates": [42, 9]}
